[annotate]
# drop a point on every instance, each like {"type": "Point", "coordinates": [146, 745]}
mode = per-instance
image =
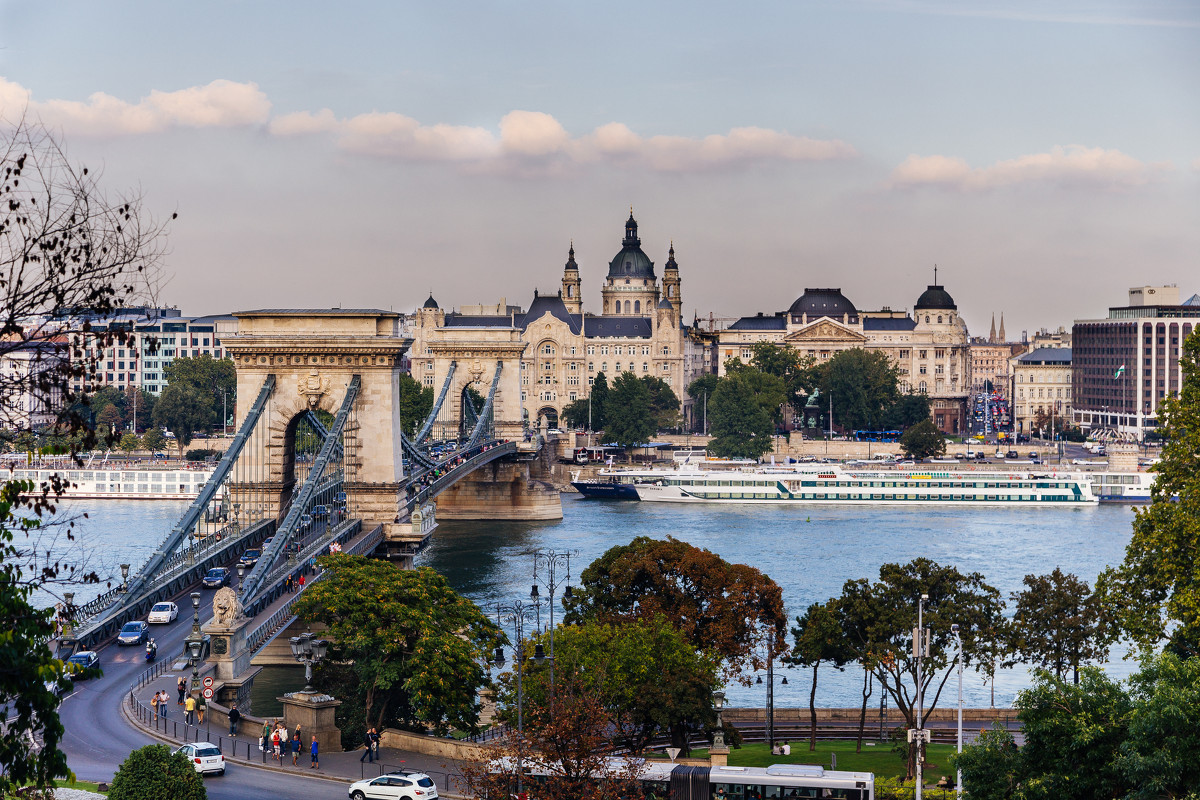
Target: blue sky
{"type": "Point", "coordinates": [1045, 155]}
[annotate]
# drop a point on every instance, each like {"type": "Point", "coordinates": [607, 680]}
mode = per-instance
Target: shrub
{"type": "Point", "coordinates": [154, 772]}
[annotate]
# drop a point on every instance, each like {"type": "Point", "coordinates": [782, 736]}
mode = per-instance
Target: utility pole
{"type": "Point", "coordinates": [920, 650]}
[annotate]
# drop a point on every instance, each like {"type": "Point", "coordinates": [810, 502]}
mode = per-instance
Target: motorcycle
{"type": "Point", "coordinates": [151, 650]}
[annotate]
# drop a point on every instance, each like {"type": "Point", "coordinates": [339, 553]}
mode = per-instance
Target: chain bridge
{"type": "Point", "coordinates": [320, 461]}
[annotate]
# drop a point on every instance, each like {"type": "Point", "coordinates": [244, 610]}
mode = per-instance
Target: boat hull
{"type": "Point", "coordinates": [606, 490]}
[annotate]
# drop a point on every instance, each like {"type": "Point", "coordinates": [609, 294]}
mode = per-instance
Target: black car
{"type": "Point", "coordinates": [1012, 454]}
{"type": "Point", "coordinates": [250, 558]}
{"type": "Point", "coordinates": [216, 577]}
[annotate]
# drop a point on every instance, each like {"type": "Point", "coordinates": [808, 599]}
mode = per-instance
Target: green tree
{"type": "Point", "coordinates": [215, 378]}
{"type": "Point", "coordinates": [818, 639]}
{"type": "Point", "coordinates": [740, 423]}
{"type": "Point", "coordinates": [599, 395]}
{"type": "Point", "coordinates": [154, 440]}
{"type": "Point", "coordinates": [879, 620]}
{"type": "Point", "coordinates": [1073, 733]}
{"type": "Point", "coordinates": [110, 419]}
{"type": "Point", "coordinates": [908, 410]}
{"type": "Point", "coordinates": [628, 417]}
{"type": "Point", "coordinates": [575, 414]}
{"type": "Point", "coordinates": [416, 401]}
{"type": "Point", "coordinates": [796, 371]}
{"type": "Point", "coordinates": [864, 387]}
{"type": "Point", "coordinates": [414, 642]}
{"type": "Point", "coordinates": [991, 765]}
{"type": "Point", "coordinates": [182, 410]}
{"type": "Point", "coordinates": [138, 407]}
{"type": "Point", "coordinates": [1059, 623]}
{"type": "Point", "coordinates": [664, 404]}
{"type": "Point", "coordinates": [1155, 592]}
{"type": "Point", "coordinates": [649, 677]}
{"type": "Point", "coordinates": [923, 440]}
{"type": "Point", "coordinates": [130, 441]}
{"type": "Point", "coordinates": [1161, 756]}
{"type": "Point", "coordinates": [717, 605]}
{"type": "Point", "coordinates": [154, 772]}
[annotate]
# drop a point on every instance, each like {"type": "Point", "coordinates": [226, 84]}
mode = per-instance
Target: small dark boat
{"type": "Point", "coordinates": [606, 490]}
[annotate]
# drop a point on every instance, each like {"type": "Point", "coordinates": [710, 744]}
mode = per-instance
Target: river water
{"type": "Point", "coordinates": [809, 551]}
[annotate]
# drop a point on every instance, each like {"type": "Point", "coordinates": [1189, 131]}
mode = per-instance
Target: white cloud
{"type": "Point", "coordinates": [1071, 165]}
{"type": "Point", "coordinates": [221, 103]}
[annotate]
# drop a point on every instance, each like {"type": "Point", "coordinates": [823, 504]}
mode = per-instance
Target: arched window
{"type": "Point", "coordinates": [926, 319]}
{"type": "Point", "coordinates": [570, 291]}
{"type": "Point", "coordinates": [627, 307]}
{"type": "Point", "coordinates": [939, 319]}
{"type": "Point", "coordinates": [637, 306]}
{"type": "Point", "coordinates": [924, 388]}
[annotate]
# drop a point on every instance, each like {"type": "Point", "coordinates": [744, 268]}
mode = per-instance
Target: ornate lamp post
{"type": "Point", "coordinates": [549, 562]}
{"type": "Point", "coordinates": [194, 647]}
{"type": "Point", "coordinates": [68, 613]}
{"type": "Point", "coordinates": [241, 569]}
{"type": "Point", "coordinates": [308, 650]}
{"type": "Point", "coordinates": [771, 699]}
{"type": "Point", "coordinates": [517, 613]}
{"type": "Point", "coordinates": [719, 734]}
{"type": "Point", "coordinates": [124, 577]}
{"type": "Point", "coordinates": [195, 641]}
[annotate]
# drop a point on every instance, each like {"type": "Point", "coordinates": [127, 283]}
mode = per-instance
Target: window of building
{"type": "Point", "coordinates": [591, 350]}
{"type": "Point", "coordinates": [547, 349]}
{"type": "Point", "coordinates": [924, 354]}
{"type": "Point", "coordinates": [604, 350]}
{"type": "Point", "coordinates": [645, 367]}
{"type": "Point", "coordinates": [591, 380]}
{"type": "Point", "coordinates": [939, 353]}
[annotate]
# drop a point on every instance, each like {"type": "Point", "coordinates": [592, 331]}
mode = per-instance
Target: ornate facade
{"type": "Point", "coordinates": [930, 348]}
{"type": "Point", "coordinates": [564, 348]}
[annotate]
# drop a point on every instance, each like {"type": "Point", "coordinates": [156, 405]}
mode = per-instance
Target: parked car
{"type": "Point", "coordinates": [401, 785]}
{"type": "Point", "coordinates": [250, 558]}
{"type": "Point", "coordinates": [216, 578]}
{"type": "Point", "coordinates": [133, 633]}
{"type": "Point", "coordinates": [1033, 454]}
{"type": "Point", "coordinates": [1012, 454]}
{"type": "Point", "coordinates": [205, 757]}
{"type": "Point", "coordinates": [84, 659]}
{"type": "Point", "coordinates": [163, 613]}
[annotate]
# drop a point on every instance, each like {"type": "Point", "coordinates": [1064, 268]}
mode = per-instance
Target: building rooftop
{"type": "Point", "coordinates": [1047, 356]}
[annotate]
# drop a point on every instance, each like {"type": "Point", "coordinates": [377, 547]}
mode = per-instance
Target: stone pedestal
{"type": "Point", "coordinates": [229, 659]}
{"type": "Point", "coordinates": [315, 713]}
{"type": "Point", "coordinates": [501, 490]}
{"type": "Point", "coordinates": [718, 756]}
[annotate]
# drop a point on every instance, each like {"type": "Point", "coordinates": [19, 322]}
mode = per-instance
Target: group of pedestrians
{"type": "Point", "coordinates": [193, 707]}
{"type": "Point", "coordinates": [371, 740]}
{"type": "Point", "coordinates": [279, 744]}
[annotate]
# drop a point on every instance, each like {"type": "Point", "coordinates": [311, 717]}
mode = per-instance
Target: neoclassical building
{"type": "Point", "coordinates": [639, 330]}
{"type": "Point", "coordinates": [930, 348]}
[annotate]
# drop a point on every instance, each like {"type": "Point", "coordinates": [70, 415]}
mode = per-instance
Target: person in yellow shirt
{"type": "Point", "coordinates": [189, 709]}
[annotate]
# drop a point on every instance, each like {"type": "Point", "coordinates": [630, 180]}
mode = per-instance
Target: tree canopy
{"type": "Point", "coordinates": [741, 412]}
{"type": "Point", "coordinates": [796, 371]}
{"type": "Point", "coordinates": [818, 639]}
{"type": "Point", "coordinates": [416, 645]}
{"type": "Point", "coordinates": [629, 419]}
{"type": "Point", "coordinates": [183, 409]}
{"type": "Point", "coordinates": [664, 404]}
{"type": "Point", "coordinates": [1155, 591]}
{"type": "Point", "coordinates": [717, 605]}
{"type": "Point", "coordinates": [416, 401]}
{"type": "Point", "coordinates": [154, 772]}
{"type": "Point", "coordinates": [864, 385]}
{"type": "Point", "coordinates": [923, 440]}
{"type": "Point", "coordinates": [216, 379]}
{"type": "Point", "coordinates": [1059, 623]}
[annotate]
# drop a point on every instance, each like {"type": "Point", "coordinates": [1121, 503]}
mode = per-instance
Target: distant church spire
{"type": "Point", "coordinates": [992, 333]}
{"type": "Point", "coordinates": [1003, 338]}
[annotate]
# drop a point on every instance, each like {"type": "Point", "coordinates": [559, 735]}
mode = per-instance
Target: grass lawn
{"type": "Point", "coordinates": [878, 758]}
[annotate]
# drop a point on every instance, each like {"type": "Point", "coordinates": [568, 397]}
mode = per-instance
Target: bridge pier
{"type": "Point", "coordinates": [504, 490]}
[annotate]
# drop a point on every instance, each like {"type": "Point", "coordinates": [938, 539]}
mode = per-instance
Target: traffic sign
{"type": "Point", "coordinates": [208, 681]}
{"type": "Point", "coordinates": [208, 693]}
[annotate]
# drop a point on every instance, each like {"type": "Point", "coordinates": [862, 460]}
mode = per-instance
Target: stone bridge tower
{"type": "Point", "coordinates": [313, 355]}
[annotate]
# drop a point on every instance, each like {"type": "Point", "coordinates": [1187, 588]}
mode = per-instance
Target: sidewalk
{"type": "Point", "coordinates": [343, 767]}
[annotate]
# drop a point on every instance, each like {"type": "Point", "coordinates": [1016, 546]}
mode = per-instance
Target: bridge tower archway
{"type": "Point", "coordinates": [475, 361]}
{"type": "Point", "coordinates": [314, 355]}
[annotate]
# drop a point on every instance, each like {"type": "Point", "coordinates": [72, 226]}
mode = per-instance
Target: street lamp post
{"type": "Point", "coordinates": [517, 613]}
{"type": "Point", "coordinates": [771, 699]}
{"type": "Point", "coordinates": [919, 650]}
{"type": "Point", "coordinates": [195, 616]}
{"type": "Point", "coordinates": [194, 647]}
{"type": "Point", "coordinates": [549, 561]}
{"type": "Point", "coordinates": [958, 641]}
{"type": "Point", "coordinates": [308, 650]}
{"type": "Point", "coordinates": [719, 733]}
{"type": "Point", "coordinates": [68, 613]}
{"type": "Point", "coordinates": [124, 577]}
{"type": "Point", "coordinates": [241, 570]}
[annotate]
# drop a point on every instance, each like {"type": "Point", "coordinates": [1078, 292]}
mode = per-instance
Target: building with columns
{"type": "Point", "coordinates": [640, 330]}
{"type": "Point", "coordinates": [1042, 390]}
{"type": "Point", "coordinates": [930, 348]}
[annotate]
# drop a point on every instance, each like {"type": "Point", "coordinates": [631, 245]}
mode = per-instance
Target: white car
{"type": "Point", "coordinates": [163, 613]}
{"type": "Point", "coordinates": [205, 756]}
{"type": "Point", "coordinates": [400, 785]}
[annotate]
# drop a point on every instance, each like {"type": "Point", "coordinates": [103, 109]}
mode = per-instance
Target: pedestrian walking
{"type": "Point", "coordinates": [368, 754]}
{"type": "Point", "coordinates": [302, 582]}
{"type": "Point", "coordinates": [276, 746]}
{"type": "Point", "coordinates": [266, 736]}
{"type": "Point", "coordinates": [189, 709]}
{"type": "Point", "coordinates": [314, 764]}
{"type": "Point", "coordinates": [163, 700]}
{"type": "Point", "coordinates": [375, 743]}
{"type": "Point", "coordinates": [201, 707]}
{"type": "Point", "coordinates": [182, 687]}
{"type": "Point", "coordinates": [296, 744]}
{"type": "Point", "coordinates": [234, 716]}
{"type": "Point", "coordinates": [154, 706]}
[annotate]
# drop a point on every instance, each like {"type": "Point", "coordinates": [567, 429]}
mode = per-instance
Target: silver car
{"type": "Point", "coordinates": [402, 785]}
{"type": "Point", "coordinates": [133, 633]}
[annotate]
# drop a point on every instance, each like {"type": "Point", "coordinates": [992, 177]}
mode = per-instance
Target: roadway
{"type": "Point", "coordinates": [98, 736]}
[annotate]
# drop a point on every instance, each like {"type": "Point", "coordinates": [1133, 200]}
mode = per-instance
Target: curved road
{"type": "Point", "coordinates": [99, 738]}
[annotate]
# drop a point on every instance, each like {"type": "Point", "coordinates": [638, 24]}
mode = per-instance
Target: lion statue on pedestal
{"type": "Point", "coordinates": [226, 608]}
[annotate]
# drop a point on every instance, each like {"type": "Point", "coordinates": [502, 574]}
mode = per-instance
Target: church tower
{"type": "Point", "coordinates": [670, 283]}
{"type": "Point", "coordinates": [1002, 335]}
{"type": "Point", "coordinates": [571, 284]}
{"type": "Point", "coordinates": [631, 288]}
{"type": "Point", "coordinates": [992, 333]}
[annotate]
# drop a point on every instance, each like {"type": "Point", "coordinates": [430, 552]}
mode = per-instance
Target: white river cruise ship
{"type": "Point", "coordinates": [833, 484]}
{"type": "Point", "coordinates": [120, 482]}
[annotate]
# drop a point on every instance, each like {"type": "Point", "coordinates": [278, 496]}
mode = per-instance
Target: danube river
{"type": "Point", "coordinates": [809, 551]}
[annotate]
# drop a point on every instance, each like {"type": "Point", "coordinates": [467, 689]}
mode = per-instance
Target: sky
{"type": "Point", "coordinates": [1044, 155]}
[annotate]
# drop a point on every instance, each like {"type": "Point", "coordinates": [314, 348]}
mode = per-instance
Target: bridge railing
{"type": "Point", "coordinates": [276, 579]}
{"type": "Point", "coordinates": [430, 482]}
